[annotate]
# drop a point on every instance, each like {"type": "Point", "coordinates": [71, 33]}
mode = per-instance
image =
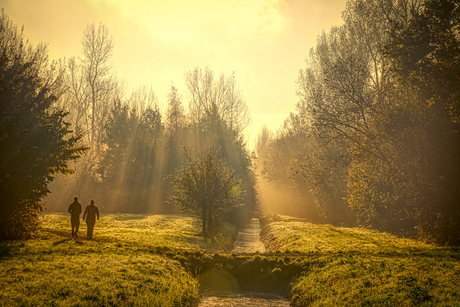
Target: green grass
{"type": "Point", "coordinates": [379, 281]}
{"type": "Point", "coordinates": [126, 264]}
{"type": "Point", "coordinates": [287, 233]}
{"type": "Point", "coordinates": [140, 230]}
{"type": "Point", "coordinates": [359, 267]}
{"type": "Point", "coordinates": [94, 279]}
{"type": "Point", "coordinates": [161, 260]}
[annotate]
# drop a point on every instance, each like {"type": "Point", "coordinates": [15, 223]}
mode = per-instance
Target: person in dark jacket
{"type": "Point", "coordinates": [75, 211]}
{"type": "Point", "coordinates": [91, 212]}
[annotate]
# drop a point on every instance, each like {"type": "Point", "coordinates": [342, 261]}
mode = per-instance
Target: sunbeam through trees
{"type": "Point", "coordinates": [373, 140]}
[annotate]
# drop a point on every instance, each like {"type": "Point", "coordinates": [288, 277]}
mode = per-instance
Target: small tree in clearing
{"type": "Point", "coordinates": [206, 186]}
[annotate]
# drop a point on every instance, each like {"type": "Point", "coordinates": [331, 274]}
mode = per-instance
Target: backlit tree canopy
{"type": "Point", "coordinates": [376, 127]}
{"type": "Point", "coordinates": [36, 142]}
{"type": "Point", "coordinates": [206, 186]}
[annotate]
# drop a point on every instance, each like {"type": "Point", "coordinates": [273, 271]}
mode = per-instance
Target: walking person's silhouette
{"type": "Point", "coordinates": [91, 212]}
{"type": "Point", "coordinates": [75, 211]}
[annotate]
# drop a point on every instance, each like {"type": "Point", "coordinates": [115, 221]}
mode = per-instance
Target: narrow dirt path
{"type": "Point", "coordinates": [248, 241]}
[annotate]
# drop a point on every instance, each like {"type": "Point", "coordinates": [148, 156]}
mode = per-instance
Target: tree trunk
{"type": "Point", "coordinates": [205, 222]}
{"type": "Point", "coordinates": [209, 221]}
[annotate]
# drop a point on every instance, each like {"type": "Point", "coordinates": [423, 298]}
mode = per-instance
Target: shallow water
{"type": "Point", "coordinates": [248, 241]}
{"type": "Point", "coordinates": [246, 299]}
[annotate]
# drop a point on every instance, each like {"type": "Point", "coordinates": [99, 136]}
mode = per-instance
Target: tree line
{"type": "Point", "coordinates": [74, 116]}
{"type": "Point", "coordinates": [135, 146]}
{"type": "Point", "coordinates": [374, 140]}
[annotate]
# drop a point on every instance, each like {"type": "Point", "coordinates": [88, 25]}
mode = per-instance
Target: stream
{"type": "Point", "coordinates": [247, 241]}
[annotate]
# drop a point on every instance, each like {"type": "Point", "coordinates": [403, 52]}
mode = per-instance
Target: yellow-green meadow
{"type": "Point", "coordinates": [361, 267]}
{"type": "Point", "coordinates": [162, 260]}
{"type": "Point", "coordinates": [116, 268]}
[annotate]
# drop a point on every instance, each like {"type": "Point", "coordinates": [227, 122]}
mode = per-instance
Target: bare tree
{"type": "Point", "coordinates": [101, 82]}
{"type": "Point", "coordinates": [217, 96]}
{"type": "Point", "coordinates": [143, 97]}
{"type": "Point", "coordinates": [263, 140]}
{"type": "Point", "coordinates": [76, 100]}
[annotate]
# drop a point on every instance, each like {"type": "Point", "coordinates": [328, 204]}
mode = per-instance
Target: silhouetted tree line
{"type": "Point", "coordinates": [135, 147]}
{"type": "Point", "coordinates": [75, 117]}
{"type": "Point", "coordinates": [375, 136]}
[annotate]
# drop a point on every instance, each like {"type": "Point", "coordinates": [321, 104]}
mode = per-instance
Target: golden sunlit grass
{"type": "Point", "coordinates": [288, 233]}
{"type": "Point", "coordinates": [141, 230]}
{"type": "Point", "coordinates": [118, 268]}
{"type": "Point", "coordinates": [158, 260]}
{"type": "Point", "coordinates": [360, 267]}
{"type": "Point", "coordinates": [380, 281]}
{"type": "Point", "coordinates": [93, 278]}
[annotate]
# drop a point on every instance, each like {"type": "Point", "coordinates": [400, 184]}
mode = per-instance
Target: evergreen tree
{"type": "Point", "coordinates": [36, 142]}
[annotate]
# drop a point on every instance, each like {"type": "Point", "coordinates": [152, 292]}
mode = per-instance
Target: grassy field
{"type": "Point", "coordinates": [358, 267]}
{"type": "Point", "coordinates": [124, 264]}
{"type": "Point", "coordinates": [173, 231]}
{"type": "Point", "coordinates": [161, 260]}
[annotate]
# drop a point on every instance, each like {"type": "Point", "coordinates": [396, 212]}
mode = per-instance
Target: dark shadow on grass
{"type": "Point", "coordinates": [68, 235]}
{"type": "Point", "coordinates": [59, 233]}
{"type": "Point", "coordinates": [9, 248]}
{"type": "Point", "coordinates": [5, 250]}
{"type": "Point", "coordinates": [61, 241]}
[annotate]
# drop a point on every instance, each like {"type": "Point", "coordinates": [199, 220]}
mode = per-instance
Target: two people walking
{"type": "Point", "coordinates": [91, 213]}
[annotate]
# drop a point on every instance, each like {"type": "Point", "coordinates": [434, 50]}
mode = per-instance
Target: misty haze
{"type": "Point", "coordinates": [230, 153]}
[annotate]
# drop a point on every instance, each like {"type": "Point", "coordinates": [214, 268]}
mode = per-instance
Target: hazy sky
{"type": "Point", "coordinates": [265, 42]}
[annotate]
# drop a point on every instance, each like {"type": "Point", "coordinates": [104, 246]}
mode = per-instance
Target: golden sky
{"type": "Point", "coordinates": [265, 42]}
